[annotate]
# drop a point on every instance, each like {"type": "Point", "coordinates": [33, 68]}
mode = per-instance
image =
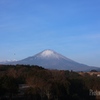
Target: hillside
{"type": "Point", "coordinates": [25, 82]}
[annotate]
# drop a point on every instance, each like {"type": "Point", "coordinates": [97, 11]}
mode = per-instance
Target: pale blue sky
{"type": "Point", "coordinates": [70, 27]}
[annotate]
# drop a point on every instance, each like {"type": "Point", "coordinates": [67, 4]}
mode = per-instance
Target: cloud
{"type": "Point", "coordinates": [94, 36]}
{"type": "Point", "coordinates": [88, 36]}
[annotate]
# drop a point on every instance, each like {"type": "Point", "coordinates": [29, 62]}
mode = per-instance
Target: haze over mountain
{"type": "Point", "coordinates": [52, 60]}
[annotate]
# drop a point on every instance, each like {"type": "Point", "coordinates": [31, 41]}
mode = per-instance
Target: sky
{"type": "Point", "coordinates": [69, 27]}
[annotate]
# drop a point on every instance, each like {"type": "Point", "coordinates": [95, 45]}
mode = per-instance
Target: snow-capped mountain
{"type": "Point", "coordinates": [53, 60]}
{"type": "Point", "coordinates": [7, 61]}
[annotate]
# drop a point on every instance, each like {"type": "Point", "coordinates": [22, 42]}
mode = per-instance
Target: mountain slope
{"type": "Point", "coordinates": [53, 60]}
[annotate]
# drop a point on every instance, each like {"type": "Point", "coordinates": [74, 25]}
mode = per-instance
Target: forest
{"type": "Point", "coordinates": [25, 82]}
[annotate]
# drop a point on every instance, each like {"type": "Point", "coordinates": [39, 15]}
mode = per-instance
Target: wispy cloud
{"type": "Point", "coordinates": [87, 36]}
{"type": "Point", "coordinates": [94, 36]}
{"type": "Point", "coordinates": [90, 37]}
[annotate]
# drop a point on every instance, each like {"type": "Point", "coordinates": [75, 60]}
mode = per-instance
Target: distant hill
{"type": "Point", "coordinates": [52, 60]}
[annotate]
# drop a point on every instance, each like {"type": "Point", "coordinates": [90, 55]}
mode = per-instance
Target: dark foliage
{"type": "Point", "coordinates": [38, 83]}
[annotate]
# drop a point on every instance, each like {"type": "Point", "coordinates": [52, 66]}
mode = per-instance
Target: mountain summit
{"type": "Point", "coordinates": [52, 60]}
{"type": "Point", "coordinates": [48, 54]}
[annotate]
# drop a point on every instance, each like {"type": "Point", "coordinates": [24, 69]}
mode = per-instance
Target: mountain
{"type": "Point", "coordinates": [52, 60]}
{"type": "Point", "coordinates": [7, 61]}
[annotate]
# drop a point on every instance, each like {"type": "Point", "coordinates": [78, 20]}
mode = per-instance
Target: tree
{"type": "Point", "coordinates": [10, 85]}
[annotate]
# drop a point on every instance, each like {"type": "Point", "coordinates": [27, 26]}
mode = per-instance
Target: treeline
{"type": "Point", "coordinates": [38, 83]}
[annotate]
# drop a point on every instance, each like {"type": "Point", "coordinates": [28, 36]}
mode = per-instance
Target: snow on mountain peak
{"type": "Point", "coordinates": [46, 53]}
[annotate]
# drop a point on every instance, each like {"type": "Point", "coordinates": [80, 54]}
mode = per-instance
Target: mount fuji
{"type": "Point", "coordinates": [50, 59]}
